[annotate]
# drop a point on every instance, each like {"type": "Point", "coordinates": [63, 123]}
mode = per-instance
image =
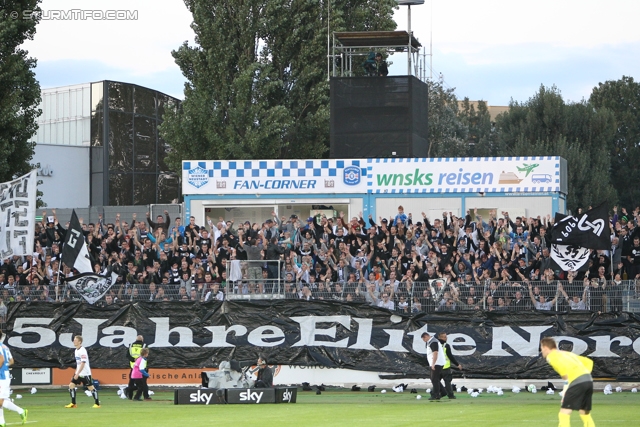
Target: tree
{"type": "Point", "coordinates": [546, 126]}
{"type": "Point", "coordinates": [447, 133]}
{"type": "Point", "coordinates": [480, 129]}
{"type": "Point", "coordinates": [19, 89]}
{"type": "Point", "coordinates": [622, 98]}
{"type": "Point", "coordinates": [256, 80]}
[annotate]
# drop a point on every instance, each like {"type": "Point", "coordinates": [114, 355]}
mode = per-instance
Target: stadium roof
{"type": "Point", "coordinates": [376, 39]}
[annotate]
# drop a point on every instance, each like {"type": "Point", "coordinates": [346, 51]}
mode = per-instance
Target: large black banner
{"type": "Point", "coordinates": [317, 333]}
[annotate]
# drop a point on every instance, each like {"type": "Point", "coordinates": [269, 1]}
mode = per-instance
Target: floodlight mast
{"type": "Point", "coordinates": [409, 3]}
{"type": "Point", "coordinates": [329, 57]}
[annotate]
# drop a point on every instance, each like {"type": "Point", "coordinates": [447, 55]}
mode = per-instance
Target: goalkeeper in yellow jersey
{"type": "Point", "coordinates": [576, 371]}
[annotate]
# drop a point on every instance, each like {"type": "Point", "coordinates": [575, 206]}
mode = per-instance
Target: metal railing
{"type": "Point", "coordinates": [271, 280]}
{"type": "Point", "coordinates": [258, 279]}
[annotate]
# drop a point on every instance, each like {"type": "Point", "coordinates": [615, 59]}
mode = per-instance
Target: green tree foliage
{"type": "Point", "coordinates": [458, 129]}
{"type": "Point", "coordinates": [447, 133]}
{"type": "Point", "coordinates": [622, 98]}
{"type": "Point", "coordinates": [547, 126]}
{"type": "Point", "coordinates": [256, 79]}
{"type": "Point", "coordinates": [477, 119]}
{"type": "Point", "coordinates": [19, 89]}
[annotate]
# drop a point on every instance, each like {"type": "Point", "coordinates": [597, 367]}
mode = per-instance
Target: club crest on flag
{"type": "Point", "coordinates": [569, 258]}
{"type": "Point", "coordinates": [91, 286]}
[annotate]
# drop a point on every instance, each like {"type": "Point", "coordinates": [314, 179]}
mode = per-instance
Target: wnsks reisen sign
{"type": "Point", "coordinates": [318, 333]}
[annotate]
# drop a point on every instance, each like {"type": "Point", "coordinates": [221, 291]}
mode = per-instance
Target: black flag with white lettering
{"type": "Point", "coordinates": [588, 230]}
{"type": "Point", "coordinates": [74, 251]}
{"type": "Point", "coordinates": [304, 338]}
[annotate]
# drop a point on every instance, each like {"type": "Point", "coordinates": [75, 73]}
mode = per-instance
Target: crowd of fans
{"type": "Point", "coordinates": [400, 263]}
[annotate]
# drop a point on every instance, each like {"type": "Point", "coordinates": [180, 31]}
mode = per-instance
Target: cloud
{"type": "Point", "coordinates": [75, 71]}
{"type": "Point", "coordinates": [492, 50]}
{"type": "Point", "coordinates": [498, 50]}
{"type": "Point", "coordinates": [574, 71]}
{"type": "Point", "coordinates": [569, 23]}
{"type": "Point", "coordinates": [142, 46]}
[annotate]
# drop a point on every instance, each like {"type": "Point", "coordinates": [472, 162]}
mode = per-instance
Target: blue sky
{"type": "Point", "coordinates": [495, 50]}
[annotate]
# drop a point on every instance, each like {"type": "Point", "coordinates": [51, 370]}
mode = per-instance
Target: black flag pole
{"type": "Point", "coordinates": [58, 278]}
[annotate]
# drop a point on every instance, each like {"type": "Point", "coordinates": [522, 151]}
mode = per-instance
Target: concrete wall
{"type": "Point", "coordinates": [64, 171]}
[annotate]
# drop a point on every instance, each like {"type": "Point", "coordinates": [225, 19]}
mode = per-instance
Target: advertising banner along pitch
{"type": "Point", "coordinates": [317, 333]}
{"type": "Point", "coordinates": [359, 176]}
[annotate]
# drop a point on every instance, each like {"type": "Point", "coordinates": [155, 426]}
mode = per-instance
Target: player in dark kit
{"type": "Point", "coordinates": [577, 393]}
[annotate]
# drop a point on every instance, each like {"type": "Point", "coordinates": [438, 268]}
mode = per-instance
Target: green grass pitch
{"type": "Point", "coordinates": [331, 408]}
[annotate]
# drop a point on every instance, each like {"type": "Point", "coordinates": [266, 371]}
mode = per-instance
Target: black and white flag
{"type": "Point", "coordinates": [91, 286]}
{"type": "Point", "coordinates": [588, 230]}
{"type": "Point", "coordinates": [570, 258]}
{"type": "Point", "coordinates": [18, 215]}
{"type": "Point", "coordinates": [74, 251]}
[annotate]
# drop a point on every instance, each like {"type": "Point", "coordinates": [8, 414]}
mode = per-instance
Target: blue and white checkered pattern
{"type": "Point", "coordinates": [272, 168]}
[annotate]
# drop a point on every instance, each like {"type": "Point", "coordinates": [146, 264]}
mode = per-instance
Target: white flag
{"type": "Point", "coordinates": [18, 215]}
{"type": "Point", "coordinates": [570, 258]}
{"type": "Point", "coordinates": [91, 286]}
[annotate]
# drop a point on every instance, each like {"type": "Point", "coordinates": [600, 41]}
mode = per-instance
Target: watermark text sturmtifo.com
{"type": "Point", "coordinates": [77, 14]}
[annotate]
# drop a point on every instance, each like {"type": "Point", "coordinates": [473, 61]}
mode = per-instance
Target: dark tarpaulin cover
{"type": "Point", "coordinates": [317, 333]}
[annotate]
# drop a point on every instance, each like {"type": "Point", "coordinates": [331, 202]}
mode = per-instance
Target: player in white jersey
{"type": "Point", "coordinates": [6, 360]}
{"type": "Point", "coordinates": [82, 375]}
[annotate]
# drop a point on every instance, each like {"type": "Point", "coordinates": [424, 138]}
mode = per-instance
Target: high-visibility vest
{"type": "Point", "coordinates": [440, 360]}
{"type": "Point", "coordinates": [134, 352]}
{"type": "Point", "coordinates": [447, 363]}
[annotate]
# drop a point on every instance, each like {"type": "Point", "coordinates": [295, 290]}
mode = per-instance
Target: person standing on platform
{"type": "Point", "coordinates": [139, 374]}
{"type": "Point", "coordinates": [134, 352]}
{"type": "Point", "coordinates": [447, 376]}
{"type": "Point", "coordinates": [6, 360]}
{"type": "Point", "coordinates": [265, 376]}
{"type": "Point", "coordinates": [435, 357]}
{"type": "Point", "coordinates": [82, 375]}
{"type": "Point", "coordinates": [576, 371]}
{"type": "Point", "coordinates": [381, 66]}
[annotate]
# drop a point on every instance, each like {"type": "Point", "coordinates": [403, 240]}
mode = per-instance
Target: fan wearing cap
{"type": "Point", "coordinates": [382, 228]}
{"type": "Point", "coordinates": [310, 223]}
